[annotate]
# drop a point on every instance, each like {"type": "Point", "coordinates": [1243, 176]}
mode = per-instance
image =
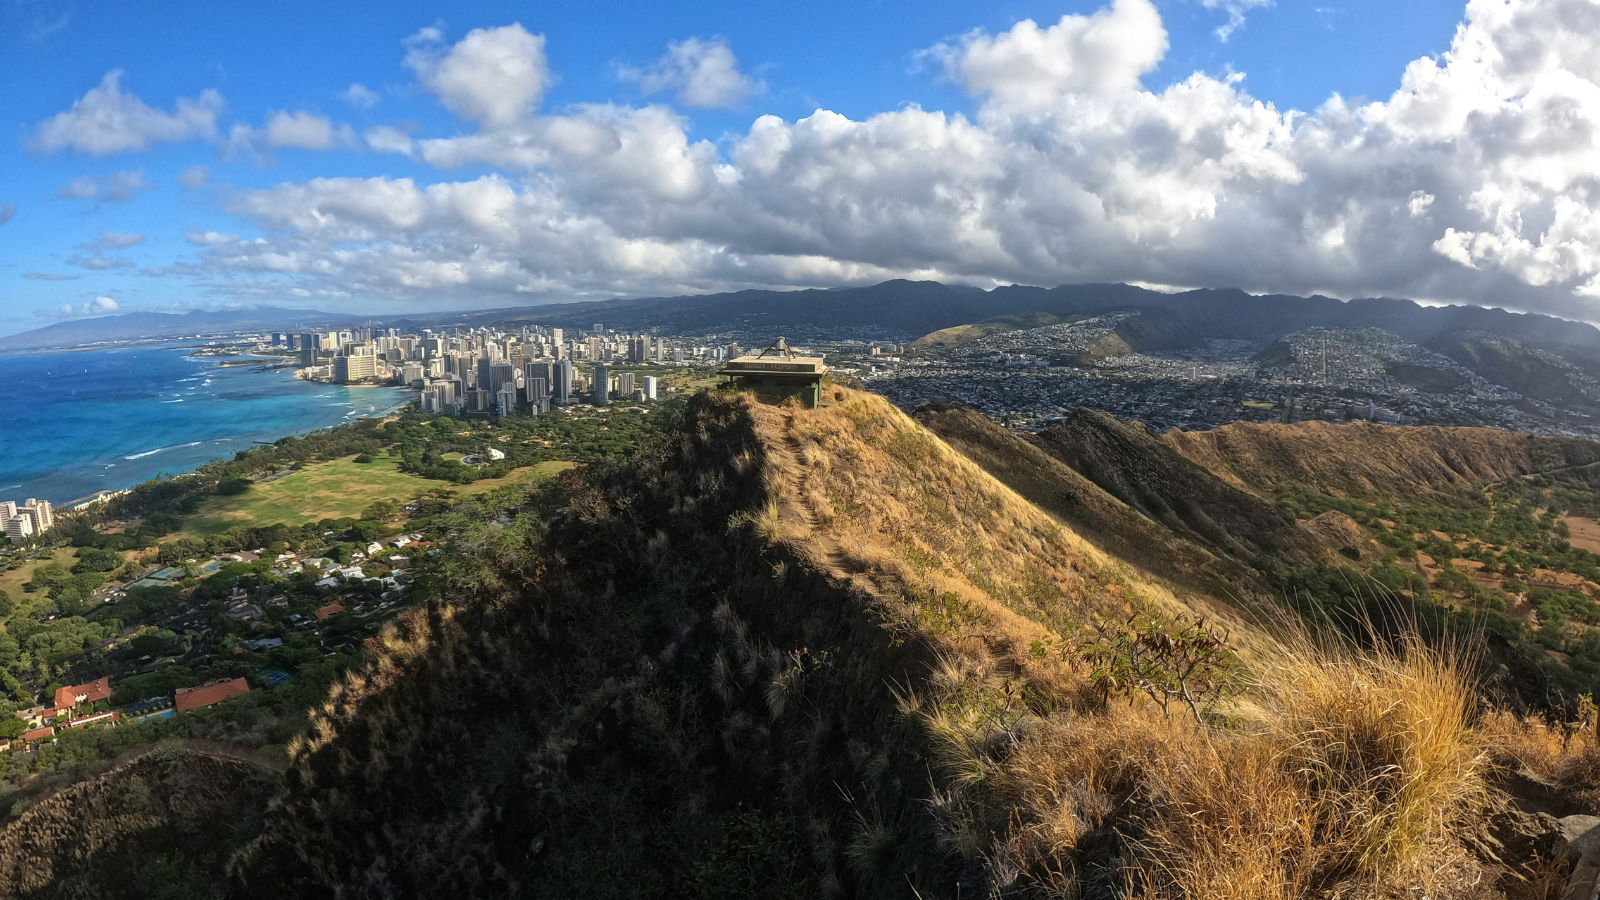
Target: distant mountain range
{"type": "Point", "coordinates": [140, 325]}
{"type": "Point", "coordinates": [905, 308]}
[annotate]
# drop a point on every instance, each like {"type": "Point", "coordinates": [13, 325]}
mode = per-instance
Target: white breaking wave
{"type": "Point", "coordinates": [162, 449]}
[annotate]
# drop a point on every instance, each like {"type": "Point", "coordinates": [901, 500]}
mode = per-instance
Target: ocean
{"type": "Point", "coordinates": [78, 423]}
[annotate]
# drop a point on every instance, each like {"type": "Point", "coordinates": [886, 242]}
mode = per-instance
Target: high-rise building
{"type": "Point", "coordinates": [440, 397]}
{"type": "Point", "coordinates": [649, 387]}
{"type": "Point", "coordinates": [39, 512]}
{"type": "Point", "coordinates": [536, 389]}
{"type": "Point", "coordinates": [537, 368]}
{"type": "Point", "coordinates": [638, 349]}
{"type": "Point", "coordinates": [602, 386]}
{"type": "Point", "coordinates": [485, 369]}
{"type": "Point", "coordinates": [502, 374]}
{"type": "Point", "coordinates": [347, 369]}
{"type": "Point", "coordinates": [563, 383]}
{"type": "Point", "coordinates": [19, 528]}
{"type": "Point", "coordinates": [505, 399]}
{"type": "Point", "coordinates": [310, 343]}
{"type": "Point", "coordinates": [625, 384]}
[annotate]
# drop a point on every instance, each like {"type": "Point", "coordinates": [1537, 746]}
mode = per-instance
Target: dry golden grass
{"type": "Point", "coordinates": [1356, 779]}
{"type": "Point", "coordinates": [1383, 737]}
{"type": "Point", "coordinates": [871, 494]}
{"type": "Point", "coordinates": [1579, 776]}
{"type": "Point", "coordinates": [1528, 744]}
{"type": "Point", "coordinates": [1341, 771]}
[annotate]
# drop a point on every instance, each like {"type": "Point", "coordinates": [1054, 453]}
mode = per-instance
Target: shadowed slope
{"type": "Point", "coordinates": [1142, 471]}
{"type": "Point", "coordinates": [1365, 459]}
{"type": "Point", "coordinates": [799, 653]}
{"type": "Point", "coordinates": [1087, 508]}
{"type": "Point", "coordinates": [160, 825]}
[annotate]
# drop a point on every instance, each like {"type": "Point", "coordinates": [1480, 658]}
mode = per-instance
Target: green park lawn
{"type": "Point", "coordinates": [11, 582]}
{"type": "Point", "coordinates": [517, 476]}
{"type": "Point", "coordinates": [325, 490]}
{"type": "Point", "coordinates": [333, 490]}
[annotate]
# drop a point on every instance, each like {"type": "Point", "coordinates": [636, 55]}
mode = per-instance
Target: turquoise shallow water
{"type": "Point", "coordinates": [78, 423]}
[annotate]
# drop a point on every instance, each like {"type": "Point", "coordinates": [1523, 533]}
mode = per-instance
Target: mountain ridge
{"type": "Point", "coordinates": [907, 308]}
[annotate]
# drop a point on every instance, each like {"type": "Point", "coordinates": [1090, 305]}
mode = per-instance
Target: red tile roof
{"type": "Point", "coordinates": [209, 693]}
{"type": "Point", "coordinates": [74, 694]}
{"type": "Point", "coordinates": [39, 734]}
{"type": "Point", "coordinates": [323, 613]}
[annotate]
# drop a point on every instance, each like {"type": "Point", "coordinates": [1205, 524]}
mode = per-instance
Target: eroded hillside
{"type": "Point", "coordinates": [1185, 496]}
{"type": "Point", "coordinates": [1365, 459]}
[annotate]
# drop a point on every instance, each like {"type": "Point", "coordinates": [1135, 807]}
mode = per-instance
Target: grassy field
{"type": "Point", "coordinates": [332, 490]}
{"type": "Point", "coordinates": [11, 582]}
{"type": "Point", "coordinates": [326, 490]}
{"type": "Point", "coordinates": [527, 473]}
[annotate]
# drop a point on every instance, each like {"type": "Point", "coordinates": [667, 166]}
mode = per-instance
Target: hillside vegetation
{"type": "Point", "coordinates": [957, 335]}
{"type": "Point", "coordinates": [1087, 508]}
{"type": "Point", "coordinates": [784, 652]}
{"type": "Point", "coordinates": [1143, 472]}
{"type": "Point", "coordinates": [798, 653]}
{"type": "Point", "coordinates": [1367, 459]}
{"type": "Point", "coordinates": [161, 825]}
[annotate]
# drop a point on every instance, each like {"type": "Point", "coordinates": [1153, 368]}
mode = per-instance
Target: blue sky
{"type": "Point", "coordinates": [77, 202]}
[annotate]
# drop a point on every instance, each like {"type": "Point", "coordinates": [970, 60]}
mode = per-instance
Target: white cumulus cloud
{"type": "Point", "coordinates": [114, 240]}
{"type": "Point", "coordinates": [99, 306]}
{"type": "Point", "coordinates": [1475, 180]}
{"type": "Point", "coordinates": [699, 73]}
{"type": "Point", "coordinates": [194, 176]}
{"type": "Point", "coordinates": [99, 263]}
{"type": "Point", "coordinates": [291, 130]}
{"type": "Point", "coordinates": [493, 76]}
{"type": "Point", "coordinates": [1032, 68]}
{"type": "Point", "coordinates": [108, 120]}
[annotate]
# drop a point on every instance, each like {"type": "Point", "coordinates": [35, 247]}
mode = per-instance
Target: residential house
{"type": "Point", "coordinates": [75, 695]}
{"type": "Point", "coordinates": [109, 717]}
{"type": "Point", "coordinates": [244, 611]}
{"type": "Point", "coordinates": [211, 692]}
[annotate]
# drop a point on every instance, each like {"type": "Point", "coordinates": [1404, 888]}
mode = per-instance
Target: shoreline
{"type": "Point", "coordinates": [237, 443]}
{"type": "Point", "coordinates": [212, 426]}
